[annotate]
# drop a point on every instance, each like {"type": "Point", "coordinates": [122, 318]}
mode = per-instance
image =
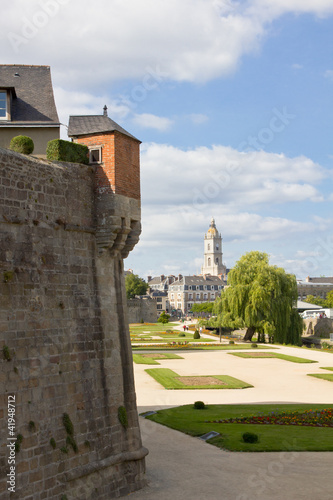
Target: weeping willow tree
{"type": "Point", "coordinates": [260, 298]}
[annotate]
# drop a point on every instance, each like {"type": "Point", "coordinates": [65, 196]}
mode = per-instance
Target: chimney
{"type": "Point", "coordinates": [148, 278]}
{"type": "Point", "coordinates": [105, 110]}
{"type": "Point", "coordinates": [162, 277]}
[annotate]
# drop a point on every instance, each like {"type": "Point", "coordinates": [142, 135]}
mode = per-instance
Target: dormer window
{"type": "Point", "coordinates": [3, 105]}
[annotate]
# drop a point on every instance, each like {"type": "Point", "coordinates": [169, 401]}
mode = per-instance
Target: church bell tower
{"type": "Point", "coordinates": [213, 264]}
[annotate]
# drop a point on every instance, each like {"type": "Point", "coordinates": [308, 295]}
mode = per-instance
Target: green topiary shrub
{"type": "Point", "coordinates": [199, 405]}
{"type": "Point", "coordinates": [59, 150]}
{"type": "Point", "coordinates": [181, 334]}
{"type": "Point", "coordinates": [196, 335]}
{"type": "Point", "coordinates": [231, 342]}
{"type": "Point", "coordinates": [250, 437]}
{"type": "Point", "coordinates": [254, 345]}
{"type": "Point", "coordinates": [22, 144]}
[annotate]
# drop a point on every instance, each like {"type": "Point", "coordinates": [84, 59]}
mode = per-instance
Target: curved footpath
{"type": "Point", "coordinates": [181, 467]}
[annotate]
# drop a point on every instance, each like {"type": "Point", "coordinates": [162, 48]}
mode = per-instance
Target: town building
{"type": "Point", "coordinates": [27, 106]}
{"type": "Point", "coordinates": [189, 290]}
{"type": "Point", "coordinates": [317, 286]}
{"type": "Point", "coordinates": [160, 283]}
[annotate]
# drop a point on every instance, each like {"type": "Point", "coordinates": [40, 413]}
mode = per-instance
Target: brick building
{"type": "Point", "coordinates": [113, 150]}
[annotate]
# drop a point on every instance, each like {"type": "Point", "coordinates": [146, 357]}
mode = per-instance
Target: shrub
{"type": "Point", "coordinates": [250, 437]}
{"type": "Point", "coordinates": [254, 345]}
{"type": "Point", "coordinates": [22, 144]}
{"type": "Point", "coordinates": [196, 335]}
{"type": "Point", "coordinates": [164, 318]}
{"type": "Point", "coordinates": [199, 405]}
{"type": "Point", "coordinates": [181, 334]}
{"type": "Point", "coordinates": [231, 342]}
{"type": "Point", "coordinates": [59, 150]}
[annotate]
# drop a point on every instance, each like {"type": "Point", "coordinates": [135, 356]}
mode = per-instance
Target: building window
{"type": "Point", "coordinates": [95, 154]}
{"type": "Point", "coordinates": [212, 295]}
{"type": "Point", "coordinates": [172, 295]}
{"type": "Point", "coordinates": [159, 299]}
{"type": "Point", "coordinates": [209, 261]}
{"type": "Point", "coordinates": [159, 306]}
{"type": "Point", "coordinates": [3, 105]}
{"type": "Point", "coordinates": [205, 296]}
{"type": "Point", "coordinates": [208, 246]}
{"type": "Point", "coordinates": [198, 296]}
{"type": "Point", "coordinates": [217, 260]}
{"type": "Point", "coordinates": [179, 305]}
{"type": "Point", "coordinates": [190, 296]}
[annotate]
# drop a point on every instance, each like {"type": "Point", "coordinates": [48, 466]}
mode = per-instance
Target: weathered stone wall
{"type": "Point", "coordinates": [64, 330]}
{"type": "Point", "coordinates": [142, 309]}
{"type": "Point", "coordinates": [320, 327]}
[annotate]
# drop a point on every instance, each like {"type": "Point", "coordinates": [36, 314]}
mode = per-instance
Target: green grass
{"type": "Point", "coordinates": [327, 368]}
{"type": "Point", "coordinates": [150, 359]}
{"type": "Point", "coordinates": [271, 437]}
{"type": "Point", "coordinates": [169, 380]}
{"type": "Point", "coordinates": [189, 347]}
{"type": "Point", "coordinates": [293, 359]}
{"type": "Point", "coordinates": [324, 376]}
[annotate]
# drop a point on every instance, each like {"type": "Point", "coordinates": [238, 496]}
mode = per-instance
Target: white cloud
{"type": "Point", "coordinates": [148, 42]}
{"type": "Point", "coordinates": [148, 120]}
{"type": "Point", "coordinates": [198, 118]}
{"type": "Point", "coordinates": [200, 177]}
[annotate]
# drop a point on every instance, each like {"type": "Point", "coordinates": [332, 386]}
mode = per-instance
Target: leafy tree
{"type": "Point", "coordinates": [311, 299]}
{"type": "Point", "coordinates": [204, 307]}
{"type": "Point", "coordinates": [135, 285]}
{"type": "Point", "coordinates": [260, 298]}
{"type": "Point", "coordinates": [164, 318]}
{"type": "Point", "coordinates": [329, 299]}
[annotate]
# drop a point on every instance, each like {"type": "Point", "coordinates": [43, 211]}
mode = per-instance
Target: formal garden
{"type": "Point", "coordinates": [269, 427]}
{"type": "Point", "coordinates": [148, 336]}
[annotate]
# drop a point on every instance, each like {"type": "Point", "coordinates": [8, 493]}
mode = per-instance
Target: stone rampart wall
{"type": "Point", "coordinates": [142, 310]}
{"type": "Point", "coordinates": [64, 337]}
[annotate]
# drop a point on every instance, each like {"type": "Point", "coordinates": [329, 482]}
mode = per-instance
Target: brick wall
{"type": "Point", "coordinates": [64, 325]}
{"type": "Point", "coordinates": [120, 168]}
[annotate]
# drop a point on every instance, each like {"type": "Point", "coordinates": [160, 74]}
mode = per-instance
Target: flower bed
{"type": "Point", "coordinates": [313, 418]}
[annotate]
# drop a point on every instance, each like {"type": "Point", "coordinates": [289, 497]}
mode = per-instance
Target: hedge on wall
{"type": "Point", "coordinates": [22, 144]}
{"type": "Point", "coordinates": [59, 150]}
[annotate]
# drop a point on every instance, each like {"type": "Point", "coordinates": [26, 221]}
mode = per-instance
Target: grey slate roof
{"type": "Point", "coordinates": [32, 92]}
{"type": "Point", "coordinates": [94, 124]}
{"type": "Point", "coordinates": [198, 280]}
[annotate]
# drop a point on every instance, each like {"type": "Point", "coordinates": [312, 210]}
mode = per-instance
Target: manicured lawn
{"type": "Point", "coordinates": [271, 437]}
{"type": "Point", "coordinates": [145, 333]}
{"type": "Point", "coordinates": [171, 380]}
{"type": "Point", "coordinates": [150, 359]}
{"type": "Point", "coordinates": [327, 368]}
{"type": "Point", "coordinates": [193, 346]}
{"type": "Point", "coordinates": [257, 355]}
{"type": "Point", "coordinates": [324, 376]}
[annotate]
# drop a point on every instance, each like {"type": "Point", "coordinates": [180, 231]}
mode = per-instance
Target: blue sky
{"type": "Point", "coordinates": [232, 102]}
